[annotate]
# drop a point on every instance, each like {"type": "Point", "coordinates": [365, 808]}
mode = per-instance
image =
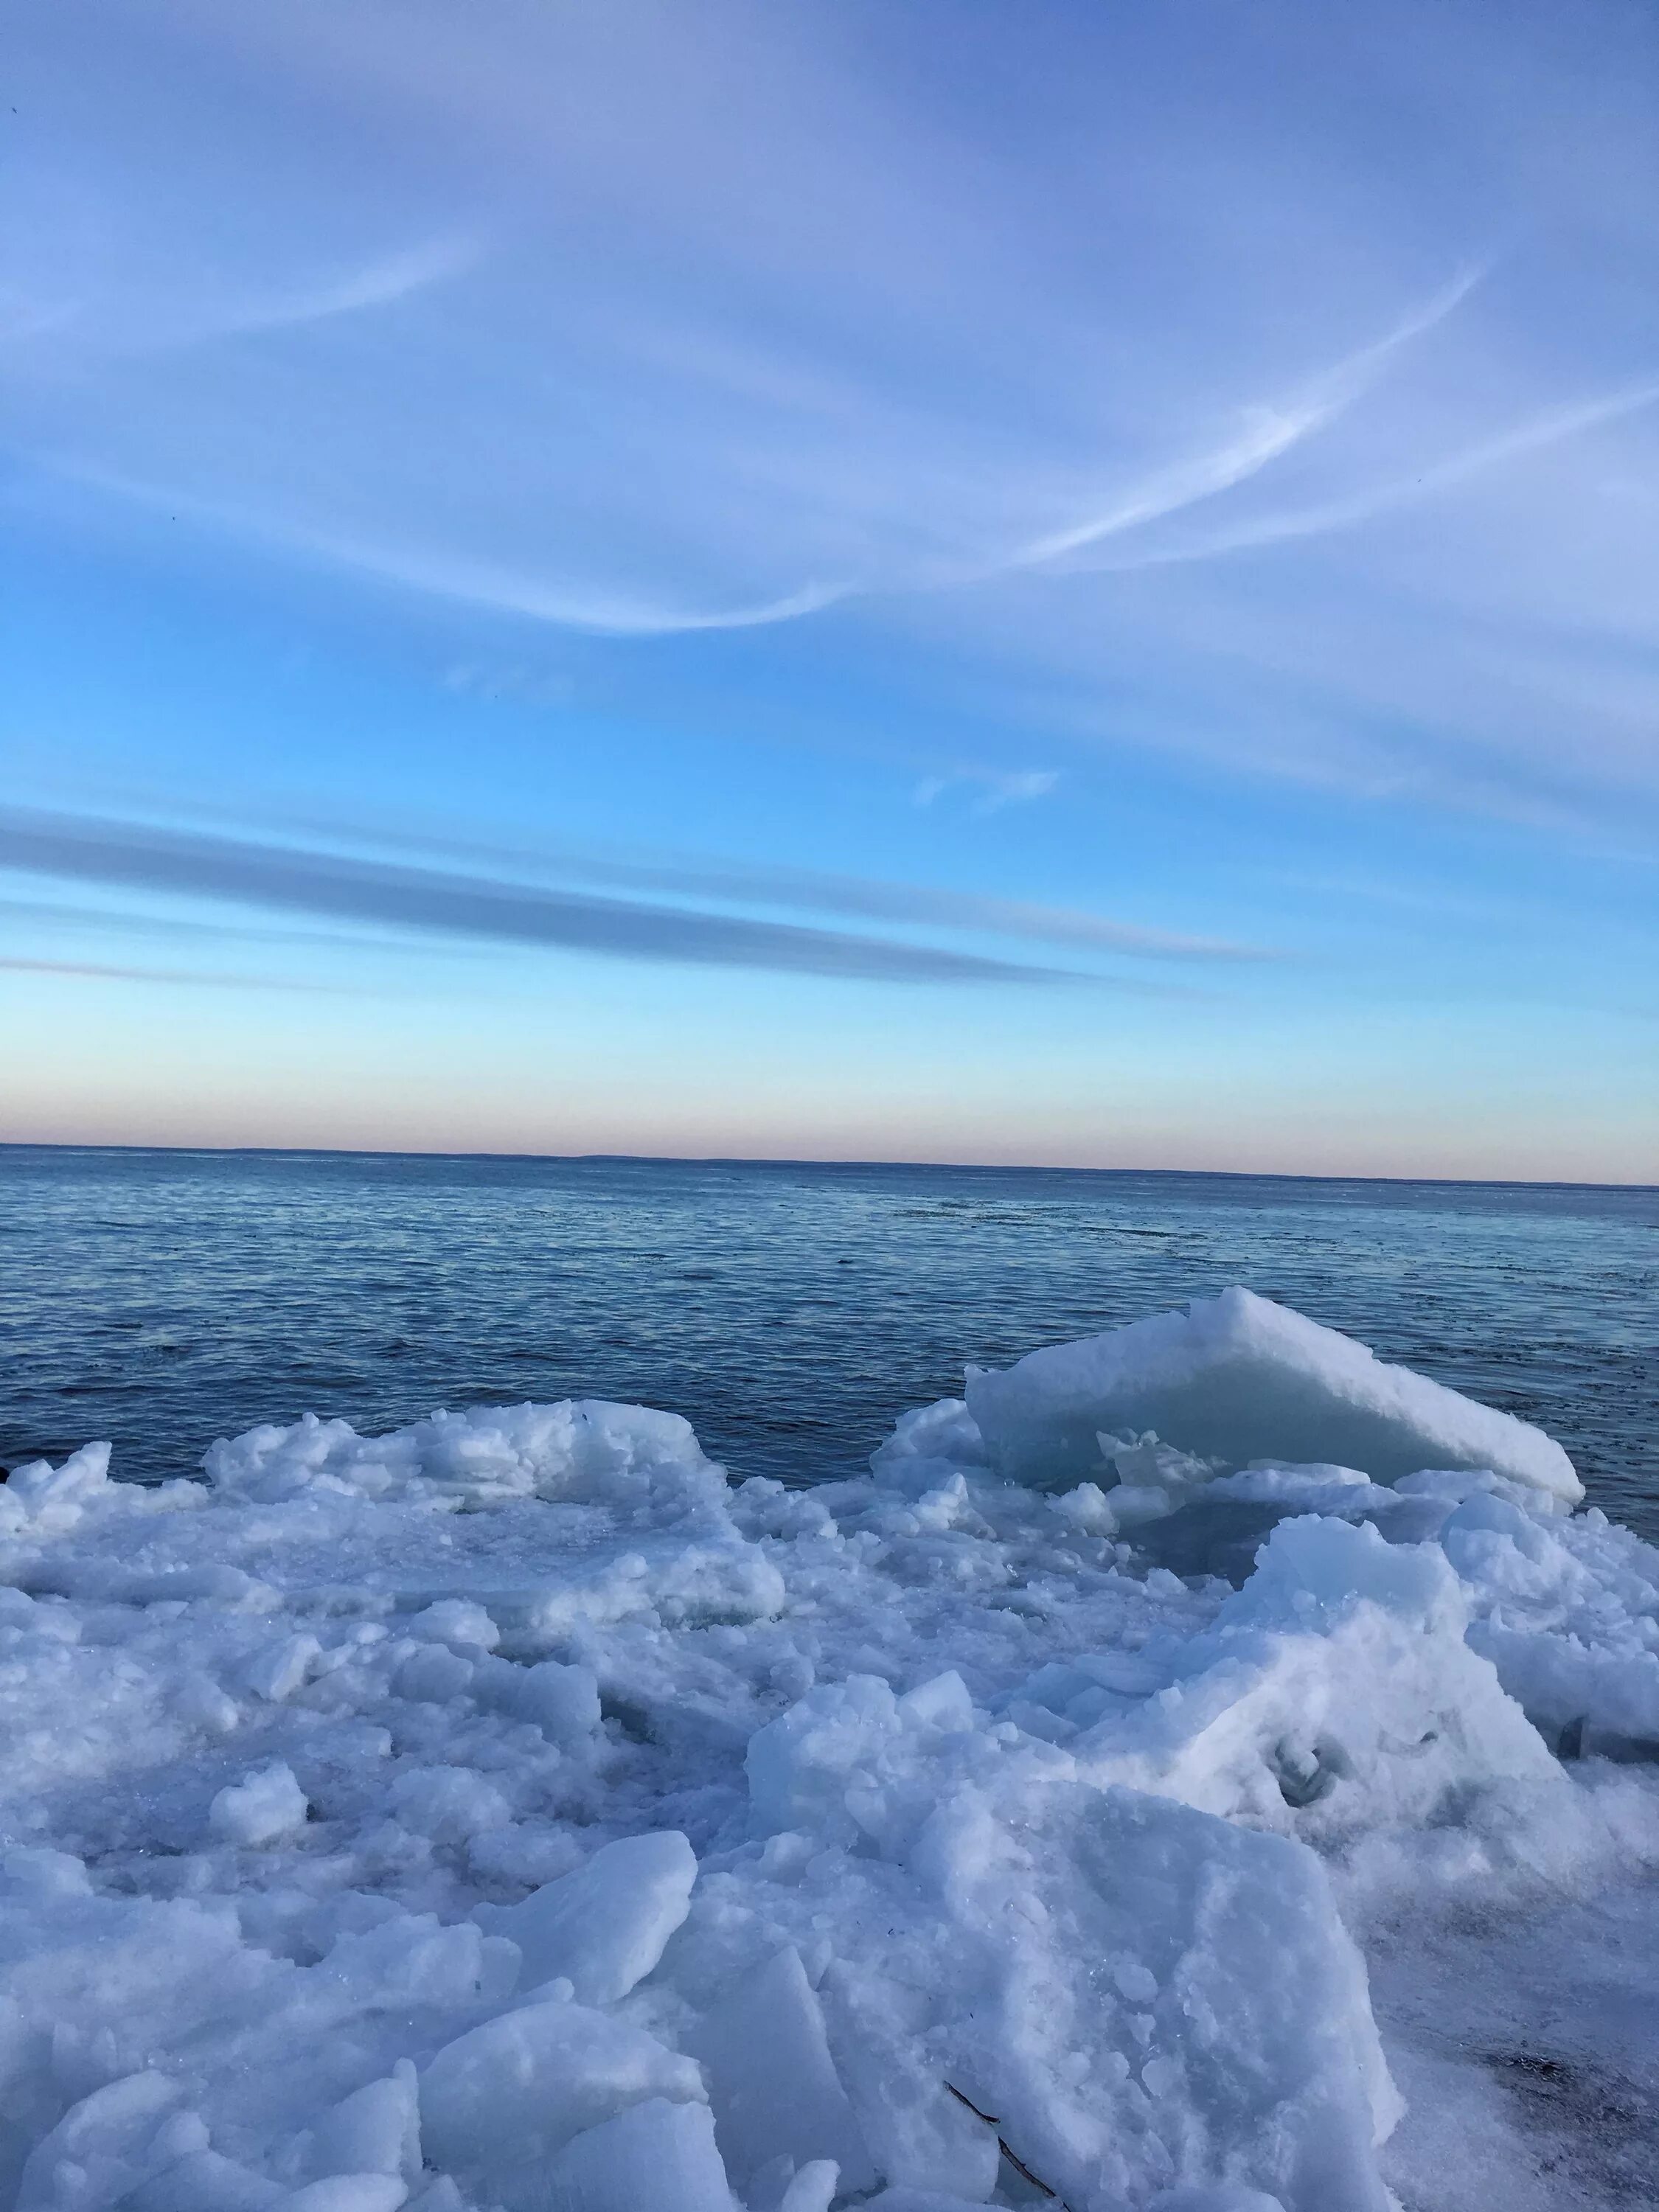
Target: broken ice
{"type": "Point", "coordinates": [513, 1812]}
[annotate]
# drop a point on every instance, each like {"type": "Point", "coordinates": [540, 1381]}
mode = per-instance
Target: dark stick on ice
{"type": "Point", "coordinates": [1012, 2157]}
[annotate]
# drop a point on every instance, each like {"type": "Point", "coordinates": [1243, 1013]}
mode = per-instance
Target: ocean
{"type": "Point", "coordinates": [162, 1299]}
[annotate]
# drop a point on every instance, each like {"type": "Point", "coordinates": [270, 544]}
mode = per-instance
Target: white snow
{"type": "Point", "coordinates": [513, 1813]}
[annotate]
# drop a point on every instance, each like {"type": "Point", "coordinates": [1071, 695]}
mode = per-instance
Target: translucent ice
{"type": "Point", "coordinates": [1236, 1379]}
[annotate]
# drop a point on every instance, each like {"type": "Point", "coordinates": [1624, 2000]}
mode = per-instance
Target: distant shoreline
{"type": "Point", "coordinates": [828, 1166]}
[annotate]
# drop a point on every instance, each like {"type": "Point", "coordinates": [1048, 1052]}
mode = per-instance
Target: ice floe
{"type": "Point", "coordinates": [514, 1813]}
{"type": "Point", "coordinates": [1238, 1378]}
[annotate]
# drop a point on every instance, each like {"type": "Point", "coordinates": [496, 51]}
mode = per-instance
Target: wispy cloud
{"type": "Point", "coordinates": [244, 873]}
{"type": "Point", "coordinates": [1270, 430]}
{"type": "Point", "coordinates": [95, 971]}
{"type": "Point", "coordinates": [804, 890]}
{"type": "Point", "coordinates": [704, 332]}
{"type": "Point", "coordinates": [1535, 435]}
{"type": "Point", "coordinates": [380, 283]}
{"type": "Point", "coordinates": [57, 918]}
{"type": "Point", "coordinates": [126, 318]}
{"type": "Point", "coordinates": [994, 788]}
{"type": "Point", "coordinates": [506, 591]}
{"type": "Point", "coordinates": [496, 589]}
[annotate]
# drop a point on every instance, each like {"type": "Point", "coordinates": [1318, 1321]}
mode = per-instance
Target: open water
{"type": "Point", "coordinates": [163, 1298]}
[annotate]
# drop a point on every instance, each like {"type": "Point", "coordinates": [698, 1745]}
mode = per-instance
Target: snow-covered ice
{"type": "Point", "coordinates": [1157, 1781]}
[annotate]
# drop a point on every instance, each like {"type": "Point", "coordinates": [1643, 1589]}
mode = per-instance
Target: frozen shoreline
{"type": "Point", "coordinates": [965, 1793]}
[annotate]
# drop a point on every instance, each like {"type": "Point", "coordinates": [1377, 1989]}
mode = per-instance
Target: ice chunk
{"type": "Point", "coordinates": [920, 2200]}
{"type": "Point", "coordinates": [578, 1451]}
{"type": "Point", "coordinates": [1142, 1994]}
{"type": "Point", "coordinates": [412, 1959]}
{"type": "Point", "coordinates": [35, 1870]}
{"type": "Point", "coordinates": [439, 2196]}
{"type": "Point", "coordinates": [278, 1671]}
{"type": "Point", "coordinates": [1225, 2197]}
{"type": "Point", "coordinates": [204, 2181]}
{"type": "Point", "coordinates": [1237, 1379]}
{"type": "Point", "coordinates": [498, 2102]}
{"type": "Point", "coordinates": [811, 1768]}
{"type": "Point", "coordinates": [586, 1513]}
{"type": "Point", "coordinates": [347, 2192]}
{"type": "Point", "coordinates": [376, 2130]}
{"type": "Point", "coordinates": [562, 1701]}
{"type": "Point", "coordinates": [465, 1627]}
{"type": "Point", "coordinates": [49, 1500]}
{"type": "Point", "coordinates": [1335, 1693]}
{"type": "Point", "coordinates": [801, 1764]}
{"type": "Point", "coordinates": [813, 2189]}
{"type": "Point", "coordinates": [942, 1703]}
{"type": "Point", "coordinates": [447, 1803]}
{"type": "Point", "coordinates": [1568, 1612]}
{"type": "Point", "coordinates": [603, 1927]}
{"type": "Point", "coordinates": [435, 1676]}
{"type": "Point", "coordinates": [772, 2082]}
{"type": "Point", "coordinates": [104, 2139]}
{"type": "Point", "coordinates": [655, 2153]}
{"type": "Point", "coordinates": [927, 1444]}
{"type": "Point", "coordinates": [262, 1808]}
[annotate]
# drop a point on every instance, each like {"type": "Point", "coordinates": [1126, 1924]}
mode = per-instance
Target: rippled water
{"type": "Point", "coordinates": [164, 1299]}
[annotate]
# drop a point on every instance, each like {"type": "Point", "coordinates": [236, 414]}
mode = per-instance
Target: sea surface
{"type": "Point", "coordinates": [164, 1299]}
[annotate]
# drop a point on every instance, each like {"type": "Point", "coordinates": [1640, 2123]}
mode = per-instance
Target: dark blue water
{"type": "Point", "coordinates": [164, 1299]}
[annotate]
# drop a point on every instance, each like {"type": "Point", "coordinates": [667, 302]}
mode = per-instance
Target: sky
{"type": "Point", "coordinates": [1070, 583]}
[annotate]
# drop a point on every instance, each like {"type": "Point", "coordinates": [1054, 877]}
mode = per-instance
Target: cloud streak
{"type": "Point", "coordinates": [1271, 431]}
{"type": "Point", "coordinates": [508, 591]}
{"type": "Point", "coordinates": [869, 900]}
{"type": "Point", "coordinates": [997, 787]}
{"type": "Point", "coordinates": [55, 917]}
{"type": "Point", "coordinates": [100, 972]}
{"type": "Point", "coordinates": [380, 283]}
{"type": "Point", "coordinates": [244, 873]}
{"type": "Point", "coordinates": [1536, 434]}
{"type": "Point", "coordinates": [817, 890]}
{"type": "Point", "coordinates": [487, 586]}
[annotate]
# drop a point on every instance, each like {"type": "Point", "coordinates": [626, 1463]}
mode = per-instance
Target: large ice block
{"type": "Point", "coordinates": [1237, 1378]}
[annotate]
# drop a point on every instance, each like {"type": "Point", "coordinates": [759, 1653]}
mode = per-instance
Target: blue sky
{"type": "Point", "coordinates": [1061, 582]}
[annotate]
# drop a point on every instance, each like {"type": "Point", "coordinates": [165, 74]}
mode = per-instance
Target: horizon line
{"type": "Point", "coordinates": [762, 1160]}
